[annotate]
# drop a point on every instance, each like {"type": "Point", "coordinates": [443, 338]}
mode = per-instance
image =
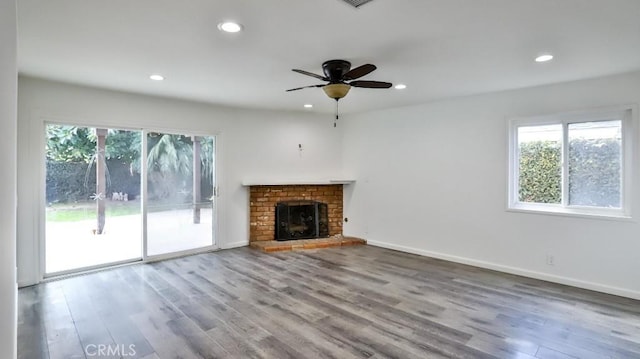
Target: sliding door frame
{"type": "Point", "coordinates": [145, 258]}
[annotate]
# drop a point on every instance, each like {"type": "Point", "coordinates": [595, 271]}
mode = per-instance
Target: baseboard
{"type": "Point", "coordinates": [513, 270]}
{"type": "Point", "coordinates": [234, 244]}
{"type": "Point", "coordinates": [26, 283]}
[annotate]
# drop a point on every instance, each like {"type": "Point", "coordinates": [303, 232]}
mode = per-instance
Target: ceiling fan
{"type": "Point", "coordinates": [342, 77]}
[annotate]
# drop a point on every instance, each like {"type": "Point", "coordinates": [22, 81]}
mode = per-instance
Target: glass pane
{"type": "Point", "coordinates": [93, 213]}
{"type": "Point", "coordinates": [540, 164]}
{"type": "Point", "coordinates": [595, 164]}
{"type": "Point", "coordinates": [180, 184]}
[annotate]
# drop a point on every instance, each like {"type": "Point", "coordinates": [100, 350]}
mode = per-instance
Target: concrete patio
{"type": "Point", "coordinates": [72, 245]}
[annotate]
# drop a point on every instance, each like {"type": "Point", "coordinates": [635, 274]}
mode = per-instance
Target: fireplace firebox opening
{"type": "Point", "coordinates": [301, 220]}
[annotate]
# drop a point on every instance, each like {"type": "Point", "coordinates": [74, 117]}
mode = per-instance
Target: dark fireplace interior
{"type": "Point", "coordinates": [301, 220]}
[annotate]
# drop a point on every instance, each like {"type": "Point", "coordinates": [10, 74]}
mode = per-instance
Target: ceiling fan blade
{"type": "Point", "coordinates": [310, 74]}
{"type": "Point", "coordinates": [371, 84]}
{"type": "Point", "coordinates": [304, 87]}
{"type": "Point", "coordinates": [359, 71]}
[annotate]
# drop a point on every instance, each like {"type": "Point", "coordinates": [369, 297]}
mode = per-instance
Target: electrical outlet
{"type": "Point", "coordinates": [551, 260]}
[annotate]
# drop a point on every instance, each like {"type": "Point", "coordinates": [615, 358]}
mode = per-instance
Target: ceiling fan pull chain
{"type": "Point", "coordinates": [335, 122]}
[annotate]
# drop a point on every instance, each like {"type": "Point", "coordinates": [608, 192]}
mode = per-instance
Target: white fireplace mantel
{"type": "Point", "coordinates": [295, 182]}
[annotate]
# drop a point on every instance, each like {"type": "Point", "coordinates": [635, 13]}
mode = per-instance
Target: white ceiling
{"type": "Point", "coordinates": [439, 48]}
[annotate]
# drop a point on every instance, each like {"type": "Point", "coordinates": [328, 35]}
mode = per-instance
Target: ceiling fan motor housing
{"type": "Point", "coordinates": [336, 69]}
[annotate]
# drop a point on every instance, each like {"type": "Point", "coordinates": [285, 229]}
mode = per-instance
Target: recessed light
{"type": "Point", "coordinates": [400, 86]}
{"type": "Point", "coordinates": [544, 58]}
{"type": "Point", "coordinates": [156, 77]}
{"type": "Point", "coordinates": [229, 26]}
{"type": "Point", "coordinates": [308, 105]}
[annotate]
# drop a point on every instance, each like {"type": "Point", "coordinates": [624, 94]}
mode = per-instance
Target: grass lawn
{"type": "Point", "coordinates": [72, 212]}
{"type": "Point", "coordinates": [84, 211]}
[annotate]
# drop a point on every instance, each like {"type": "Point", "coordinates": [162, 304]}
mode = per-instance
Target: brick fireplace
{"type": "Point", "coordinates": [264, 198]}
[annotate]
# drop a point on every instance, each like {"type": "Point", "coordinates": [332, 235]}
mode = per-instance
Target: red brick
{"type": "Point", "coordinates": [276, 249]}
{"type": "Point", "coordinates": [263, 200]}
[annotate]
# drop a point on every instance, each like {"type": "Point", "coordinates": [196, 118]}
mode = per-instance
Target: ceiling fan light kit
{"type": "Point", "coordinates": [336, 91]}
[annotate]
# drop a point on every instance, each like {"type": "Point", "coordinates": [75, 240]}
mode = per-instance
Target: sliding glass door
{"type": "Point", "coordinates": [93, 211]}
{"type": "Point", "coordinates": [180, 192]}
{"type": "Point", "coordinates": [99, 190]}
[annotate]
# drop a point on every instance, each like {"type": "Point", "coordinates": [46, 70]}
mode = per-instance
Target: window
{"type": "Point", "coordinates": [575, 163]}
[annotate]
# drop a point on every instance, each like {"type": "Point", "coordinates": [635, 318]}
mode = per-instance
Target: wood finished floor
{"type": "Point", "coordinates": [353, 302]}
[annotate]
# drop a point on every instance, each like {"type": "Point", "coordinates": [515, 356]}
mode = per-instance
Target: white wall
{"type": "Point", "coordinates": [432, 179]}
{"type": "Point", "coordinates": [8, 102]}
{"type": "Point", "coordinates": [252, 145]}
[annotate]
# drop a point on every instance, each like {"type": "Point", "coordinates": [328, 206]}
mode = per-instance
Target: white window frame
{"type": "Point", "coordinates": [625, 114]}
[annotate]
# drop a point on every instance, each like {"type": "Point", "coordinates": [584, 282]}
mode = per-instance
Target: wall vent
{"type": "Point", "coordinates": [356, 3]}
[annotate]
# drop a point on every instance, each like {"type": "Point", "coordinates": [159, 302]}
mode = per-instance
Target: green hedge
{"type": "Point", "coordinates": [594, 172]}
{"type": "Point", "coordinates": [540, 172]}
{"type": "Point", "coordinates": [74, 181]}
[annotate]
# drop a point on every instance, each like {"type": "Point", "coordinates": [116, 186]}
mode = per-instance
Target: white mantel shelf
{"type": "Point", "coordinates": [296, 182]}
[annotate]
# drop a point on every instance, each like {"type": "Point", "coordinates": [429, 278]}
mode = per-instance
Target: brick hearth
{"type": "Point", "coordinates": [280, 246]}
